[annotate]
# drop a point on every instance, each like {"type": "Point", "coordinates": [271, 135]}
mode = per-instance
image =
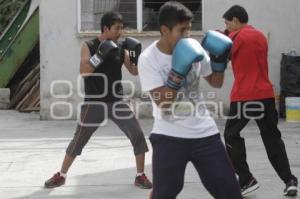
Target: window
{"type": "Point", "coordinates": [151, 9]}
{"type": "Point", "coordinates": [140, 15]}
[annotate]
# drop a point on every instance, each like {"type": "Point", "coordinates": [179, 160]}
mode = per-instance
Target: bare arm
{"type": "Point", "coordinates": [163, 96]}
{"type": "Point", "coordinates": [132, 68]}
{"type": "Point", "coordinates": [85, 66]}
{"type": "Point", "coordinates": [215, 79]}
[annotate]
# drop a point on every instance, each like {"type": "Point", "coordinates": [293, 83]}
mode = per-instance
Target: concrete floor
{"type": "Point", "coordinates": [32, 150]}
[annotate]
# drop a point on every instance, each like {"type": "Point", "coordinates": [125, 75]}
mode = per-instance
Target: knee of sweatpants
{"type": "Point", "coordinates": [229, 188]}
{"type": "Point", "coordinates": [140, 145]}
{"type": "Point", "coordinates": [226, 133]}
{"type": "Point", "coordinates": [74, 149]}
{"type": "Point", "coordinates": [165, 186]}
{"type": "Point", "coordinates": [138, 142]}
{"type": "Point", "coordinates": [230, 137]}
{"type": "Point", "coordinates": [166, 193]}
{"type": "Point", "coordinates": [228, 140]}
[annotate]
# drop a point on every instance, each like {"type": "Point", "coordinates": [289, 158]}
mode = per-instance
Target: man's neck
{"type": "Point", "coordinates": [242, 25]}
{"type": "Point", "coordinates": [101, 37]}
{"type": "Point", "coordinates": [164, 47]}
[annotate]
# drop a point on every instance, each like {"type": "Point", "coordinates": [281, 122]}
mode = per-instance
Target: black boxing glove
{"type": "Point", "coordinates": [105, 48]}
{"type": "Point", "coordinates": [134, 48]}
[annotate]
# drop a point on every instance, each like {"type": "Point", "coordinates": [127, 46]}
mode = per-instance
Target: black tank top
{"type": "Point", "coordinates": [110, 68]}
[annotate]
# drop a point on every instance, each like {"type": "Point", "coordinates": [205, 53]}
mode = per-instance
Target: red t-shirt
{"type": "Point", "coordinates": [249, 58]}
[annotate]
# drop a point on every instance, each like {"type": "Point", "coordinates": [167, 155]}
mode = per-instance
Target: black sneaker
{"type": "Point", "coordinates": [291, 188]}
{"type": "Point", "coordinates": [250, 186]}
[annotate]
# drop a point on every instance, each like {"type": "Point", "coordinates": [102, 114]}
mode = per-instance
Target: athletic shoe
{"type": "Point", "coordinates": [291, 188]}
{"type": "Point", "coordinates": [252, 185]}
{"type": "Point", "coordinates": [143, 182]}
{"type": "Point", "coordinates": [56, 181]}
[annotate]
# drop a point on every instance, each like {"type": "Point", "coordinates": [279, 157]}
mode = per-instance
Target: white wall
{"type": "Point", "coordinates": [60, 44]}
{"type": "Point", "coordinates": [60, 51]}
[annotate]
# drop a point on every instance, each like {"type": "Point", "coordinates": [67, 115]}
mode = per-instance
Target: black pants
{"type": "Point", "coordinates": [208, 155]}
{"type": "Point", "coordinates": [92, 116]}
{"type": "Point", "coordinates": [264, 113]}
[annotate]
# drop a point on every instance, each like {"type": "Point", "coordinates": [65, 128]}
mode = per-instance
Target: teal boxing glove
{"type": "Point", "coordinates": [186, 52]}
{"type": "Point", "coordinates": [218, 45]}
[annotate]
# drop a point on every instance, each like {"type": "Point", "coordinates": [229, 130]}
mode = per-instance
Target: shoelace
{"type": "Point", "coordinates": [57, 177]}
{"type": "Point", "coordinates": [144, 178]}
{"type": "Point", "coordinates": [292, 182]}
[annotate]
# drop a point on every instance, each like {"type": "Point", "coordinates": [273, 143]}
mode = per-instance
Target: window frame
{"type": "Point", "coordinates": [138, 32]}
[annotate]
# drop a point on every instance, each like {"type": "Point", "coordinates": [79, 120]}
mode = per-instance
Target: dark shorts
{"type": "Point", "coordinates": [208, 155]}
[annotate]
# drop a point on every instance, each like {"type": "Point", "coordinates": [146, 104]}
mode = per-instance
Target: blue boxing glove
{"type": "Point", "coordinates": [186, 52]}
{"type": "Point", "coordinates": [218, 45]}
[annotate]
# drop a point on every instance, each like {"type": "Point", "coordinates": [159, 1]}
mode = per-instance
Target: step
{"type": "Point", "coordinates": [4, 98]}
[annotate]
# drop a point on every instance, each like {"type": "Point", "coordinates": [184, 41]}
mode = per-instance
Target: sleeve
{"type": "Point", "coordinates": [236, 45]}
{"type": "Point", "coordinates": [237, 42]}
{"type": "Point", "coordinates": [205, 66]}
{"type": "Point", "coordinates": [149, 75]}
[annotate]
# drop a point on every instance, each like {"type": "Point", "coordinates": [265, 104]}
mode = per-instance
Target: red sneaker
{"type": "Point", "coordinates": [143, 182]}
{"type": "Point", "coordinates": [56, 181]}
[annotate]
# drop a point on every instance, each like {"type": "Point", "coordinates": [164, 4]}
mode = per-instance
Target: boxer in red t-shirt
{"type": "Point", "coordinates": [252, 97]}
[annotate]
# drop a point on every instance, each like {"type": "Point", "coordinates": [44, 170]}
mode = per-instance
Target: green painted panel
{"type": "Point", "coordinates": [12, 29]}
{"type": "Point", "coordinates": [18, 50]}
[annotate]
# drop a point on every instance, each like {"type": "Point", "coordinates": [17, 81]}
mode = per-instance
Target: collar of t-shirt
{"type": "Point", "coordinates": [234, 34]}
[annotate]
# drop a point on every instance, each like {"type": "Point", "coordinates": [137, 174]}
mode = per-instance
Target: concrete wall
{"type": "Point", "coordinates": [60, 46]}
{"type": "Point", "coordinates": [60, 53]}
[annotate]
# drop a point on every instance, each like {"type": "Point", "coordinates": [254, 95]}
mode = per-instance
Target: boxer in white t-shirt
{"type": "Point", "coordinates": [170, 70]}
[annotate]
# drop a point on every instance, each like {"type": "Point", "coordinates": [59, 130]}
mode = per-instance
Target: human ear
{"type": "Point", "coordinates": [165, 30]}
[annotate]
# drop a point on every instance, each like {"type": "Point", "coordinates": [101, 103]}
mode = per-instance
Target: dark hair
{"type": "Point", "coordinates": [236, 11]}
{"type": "Point", "coordinates": [172, 13]}
{"type": "Point", "coordinates": [110, 18]}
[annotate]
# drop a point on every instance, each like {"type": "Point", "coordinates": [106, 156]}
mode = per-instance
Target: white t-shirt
{"type": "Point", "coordinates": [189, 117]}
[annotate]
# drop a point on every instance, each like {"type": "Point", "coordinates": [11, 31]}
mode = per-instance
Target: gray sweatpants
{"type": "Point", "coordinates": [92, 115]}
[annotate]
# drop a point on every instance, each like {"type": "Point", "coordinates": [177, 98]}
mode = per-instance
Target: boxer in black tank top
{"type": "Point", "coordinates": [102, 58]}
{"type": "Point", "coordinates": [111, 68]}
